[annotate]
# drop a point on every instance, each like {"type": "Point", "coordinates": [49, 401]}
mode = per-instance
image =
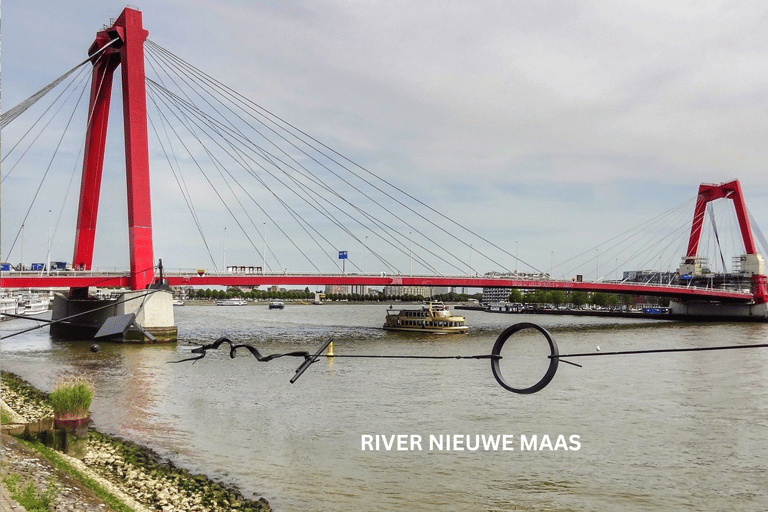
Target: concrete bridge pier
{"type": "Point", "coordinates": [719, 311]}
{"type": "Point", "coordinates": [153, 310]}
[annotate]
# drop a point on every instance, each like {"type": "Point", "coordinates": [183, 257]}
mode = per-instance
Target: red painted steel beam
{"type": "Point", "coordinates": [128, 51]}
{"type": "Point", "coordinates": [732, 191]}
{"type": "Point", "coordinates": [73, 281]}
{"type": "Point", "coordinates": [136, 148]}
{"type": "Point", "coordinates": [11, 281]}
{"type": "Point", "coordinates": [310, 280]}
{"type": "Point", "coordinates": [93, 160]}
{"type": "Point", "coordinates": [707, 193]}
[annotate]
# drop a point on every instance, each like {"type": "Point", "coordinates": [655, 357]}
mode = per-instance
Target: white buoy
{"type": "Point", "coordinates": [598, 348]}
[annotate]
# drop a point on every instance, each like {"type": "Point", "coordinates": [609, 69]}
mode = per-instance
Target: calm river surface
{"type": "Point", "coordinates": [685, 431]}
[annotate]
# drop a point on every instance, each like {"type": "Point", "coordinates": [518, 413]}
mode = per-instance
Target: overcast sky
{"type": "Point", "coordinates": [550, 126]}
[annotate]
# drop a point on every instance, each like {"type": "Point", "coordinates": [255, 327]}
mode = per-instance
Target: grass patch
{"type": "Point", "coordinates": [58, 462]}
{"type": "Point", "coordinates": [5, 417]}
{"type": "Point", "coordinates": [28, 496]}
{"type": "Point", "coordinates": [72, 398]}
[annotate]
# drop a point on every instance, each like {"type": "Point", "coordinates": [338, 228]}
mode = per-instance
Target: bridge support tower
{"type": "Point", "coordinates": [752, 264]}
{"type": "Point", "coordinates": [124, 42]}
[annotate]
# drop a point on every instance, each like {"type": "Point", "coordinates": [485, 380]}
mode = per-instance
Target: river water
{"type": "Point", "coordinates": [682, 431]}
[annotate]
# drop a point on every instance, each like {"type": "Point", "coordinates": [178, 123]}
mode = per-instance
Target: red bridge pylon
{"type": "Point", "coordinates": [126, 48]}
{"type": "Point", "coordinates": [752, 261]}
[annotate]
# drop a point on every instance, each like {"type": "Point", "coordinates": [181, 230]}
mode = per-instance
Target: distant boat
{"type": "Point", "coordinates": [232, 302]}
{"type": "Point", "coordinates": [178, 302]}
{"type": "Point", "coordinates": [9, 305]}
{"type": "Point", "coordinates": [434, 317]}
{"type": "Point", "coordinates": [33, 305]}
{"type": "Point", "coordinates": [276, 304]}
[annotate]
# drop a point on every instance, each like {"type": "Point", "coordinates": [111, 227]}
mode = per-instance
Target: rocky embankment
{"type": "Point", "coordinates": [135, 475]}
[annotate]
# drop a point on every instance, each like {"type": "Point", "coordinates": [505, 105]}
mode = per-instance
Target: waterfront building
{"type": "Point", "coordinates": [337, 289]}
{"type": "Point", "coordinates": [399, 291]}
{"type": "Point", "coordinates": [494, 295]}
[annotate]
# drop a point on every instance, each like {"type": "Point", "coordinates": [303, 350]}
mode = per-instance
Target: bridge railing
{"type": "Point", "coordinates": [181, 275]}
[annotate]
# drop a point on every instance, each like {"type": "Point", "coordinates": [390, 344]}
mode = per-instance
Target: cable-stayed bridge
{"type": "Point", "coordinates": [218, 148]}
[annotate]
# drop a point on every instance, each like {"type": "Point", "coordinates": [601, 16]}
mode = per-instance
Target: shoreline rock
{"type": "Point", "coordinates": [134, 474]}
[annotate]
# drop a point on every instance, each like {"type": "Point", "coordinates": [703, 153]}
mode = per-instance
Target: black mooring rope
{"type": "Point", "coordinates": [308, 359]}
{"type": "Point", "coordinates": [554, 358]}
{"type": "Point", "coordinates": [659, 351]}
{"type": "Point", "coordinates": [202, 350]}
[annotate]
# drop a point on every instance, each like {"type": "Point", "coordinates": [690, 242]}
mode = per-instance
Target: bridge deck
{"type": "Point", "coordinates": [117, 279]}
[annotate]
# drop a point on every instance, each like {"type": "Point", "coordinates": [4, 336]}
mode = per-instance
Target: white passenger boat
{"type": "Point", "coordinates": [276, 304]}
{"type": "Point", "coordinates": [232, 302]}
{"type": "Point", "coordinates": [32, 305]}
{"type": "Point", "coordinates": [9, 305]}
{"type": "Point", "coordinates": [435, 317]}
{"type": "Point", "coordinates": [178, 302]}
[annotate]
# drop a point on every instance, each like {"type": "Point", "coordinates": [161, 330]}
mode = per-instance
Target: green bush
{"type": "Point", "coordinates": [72, 398]}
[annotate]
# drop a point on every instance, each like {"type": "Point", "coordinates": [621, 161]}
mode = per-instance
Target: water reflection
{"type": "Point", "coordinates": [678, 431]}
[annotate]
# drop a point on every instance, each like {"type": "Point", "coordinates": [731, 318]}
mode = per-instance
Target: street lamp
{"type": "Point", "coordinates": [597, 264]}
{"type": "Point", "coordinates": [22, 247]}
{"type": "Point", "coordinates": [515, 258]}
{"type": "Point", "coordinates": [410, 251]}
{"type": "Point", "coordinates": [551, 263]}
{"type": "Point", "coordinates": [48, 256]}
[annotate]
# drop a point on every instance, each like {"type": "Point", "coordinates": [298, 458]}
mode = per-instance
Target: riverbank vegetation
{"type": "Point", "coordinates": [307, 295]}
{"type": "Point", "coordinates": [28, 495]}
{"type": "Point", "coordinates": [136, 472]}
{"type": "Point", "coordinates": [579, 299]}
{"type": "Point", "coordinates": [72, 398]}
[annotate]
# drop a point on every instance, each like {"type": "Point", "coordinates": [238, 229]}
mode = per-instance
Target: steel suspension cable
{"type": "Point", "coordinates": [316, 205]}
{"type": "Point", "coordinates": [320, 183]}
{"type": "Point", "coordinates": [341, 226]}
{"type": "Point", "coordinates": [626, 235]}
{"type": "Point", "coordinates": [11, 114]}
{"type": "Point", "coordinates": [205, 118]}
{"type": "Point", "coordinates": [181, 184]}
{"type": "Point", "coordinates": [48, 168]}
{"type": "Point", "coordinates": [33, 125]}
{"type": "Point", "coordinates": [223, 202]}
{"type": "Point", "coordinates": [258, 109]}
{"type": "Point", "coordinates": [292, 212]}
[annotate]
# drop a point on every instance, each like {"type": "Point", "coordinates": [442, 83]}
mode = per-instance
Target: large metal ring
{"type": "Point", "coordinates": [553, 358]}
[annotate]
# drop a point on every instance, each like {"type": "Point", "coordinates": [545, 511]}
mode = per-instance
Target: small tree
{"type": "Point", "coordinates": [557, 296]}
{"type": "Point", "coordinates": [579, 298]}
{"type": "Point", "coordinates": [600, 299]}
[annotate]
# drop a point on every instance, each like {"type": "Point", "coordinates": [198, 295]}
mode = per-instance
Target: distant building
{"type": "Point", "coordinates": [493, 294]}
{"type": "Point", "coordinates": [338, 289]}
{"type": "Point", "coordinates": [649, 277]}
{"type": "Point", "coordinates": [183, 292]}
{"type": "Point", "coordinates": [397, 291]}
{"type": "Point", "coordinates": [244, 269]}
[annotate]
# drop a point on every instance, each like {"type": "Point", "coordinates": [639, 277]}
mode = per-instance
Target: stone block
{"type": "Point", "coordinates": [75, 445]}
